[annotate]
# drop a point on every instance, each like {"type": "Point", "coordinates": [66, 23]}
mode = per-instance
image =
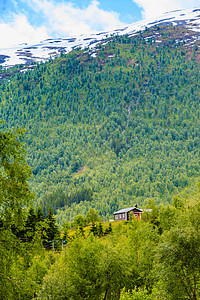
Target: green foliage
{"type": "Point", "coordinates": [93, 229]}
{"type": "Point", "coordinates": [14, 195]}
{"type": "Point", "coordinates": [101, 132]}
{"type": "Point", "coordinates": [136, 262]}
{"type": "Point", "coordinates": [104, 131]}
{"type": "Point", "coordinates": [141, 259]}
{"type": "Point", "coordinates": [30, 224]}
{"type": "Point", "coordinates": [108, 229]}
{"type": "Point", "coordinates": [90, 270]}
{"type": "Point", "coordinates": [100, 229]}
{"type": "Point", "coordinates": [135, 295]}
{"type": "Point", "coordinates": [14, 175]}
{"type": "Point", "coordinates": [22, 267]}
{"type": "Point", "coordinates": [79, 220]}
{"type": "Point", "coordinates": [92, 216]}
{"type": "Point", "coordinates": [179, 254]}
{"type": "Point", "coordinates": [52, 287]}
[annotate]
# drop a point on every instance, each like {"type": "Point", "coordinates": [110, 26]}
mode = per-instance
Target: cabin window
{"type": "Point", "coordinates": [116, 217]}
{"type": "Point", "coordinates": [136, 215]}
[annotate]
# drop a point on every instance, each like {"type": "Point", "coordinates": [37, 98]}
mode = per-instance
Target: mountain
{"type": "Point", "coordinates": [51, 48]}
{"type": "Point", "coordinates": [113, 125]}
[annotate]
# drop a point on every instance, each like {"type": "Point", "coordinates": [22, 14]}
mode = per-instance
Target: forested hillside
{"type": "Point", "coordinates": [112, 126]}
{"type": "Point", "coordinates": [157, 257]}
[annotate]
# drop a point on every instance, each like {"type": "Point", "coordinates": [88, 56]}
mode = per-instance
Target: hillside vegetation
{"type": "Point", "coordinates": [112, 126]}
{"type": "Point", "coordinates": [157, 257]}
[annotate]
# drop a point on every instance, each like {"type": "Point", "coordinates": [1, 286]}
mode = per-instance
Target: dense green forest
{"type": "Point", "coordinates": [104, 129]}
{"type": "Point", "coordinates": [112, 126]}
{"type": "Point", "coordinates": [157, 257]}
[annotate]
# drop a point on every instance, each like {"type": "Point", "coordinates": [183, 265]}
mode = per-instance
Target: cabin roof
{"type": "Point", "coordinates": [134, 209]}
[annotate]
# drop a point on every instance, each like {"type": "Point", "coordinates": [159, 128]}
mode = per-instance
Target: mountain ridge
{"type": "Point", "coordinates": [29, 54]}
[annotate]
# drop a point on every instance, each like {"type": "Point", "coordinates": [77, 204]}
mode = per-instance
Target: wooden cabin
{"type": "Point", "coordinates": [124, 214]}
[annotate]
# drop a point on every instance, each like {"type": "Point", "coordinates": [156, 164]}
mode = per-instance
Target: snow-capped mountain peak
{"type": "Point", "coordinates": [26, 54]}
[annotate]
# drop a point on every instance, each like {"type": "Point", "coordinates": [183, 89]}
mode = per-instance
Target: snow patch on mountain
{"type": "Point", "coordinates": [51, 48]}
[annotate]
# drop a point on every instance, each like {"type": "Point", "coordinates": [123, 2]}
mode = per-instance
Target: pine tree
{"type": "Point", "coordinates": [52, 230]}
{"type": "Point", "coordinates": [109, 229]}
{"type": "Point", "coordinates": [93, 229]}
{"type": "Point", "coordinates": [30, 224]}
{"type": "Point", "coordinates": [39, 214]}
{"type": "Point", "coordinates": [100, 229]}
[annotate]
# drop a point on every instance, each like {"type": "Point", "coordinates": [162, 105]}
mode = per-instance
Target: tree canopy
{"type": "Point", "coordinates": [105, 131]}
{"type": "Point", "coordinates": [14, 174]}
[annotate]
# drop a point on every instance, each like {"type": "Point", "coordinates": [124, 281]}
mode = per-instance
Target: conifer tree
{"type": "Point", "coordinates": [100, 229]}
{"type": "Point", "coordinates": [93, 229]}
{"type": "Point", "coordinates": [30, 223]}
{"type": "Point", "coordinates": [52, 230]}
{"type": "Point", "coordinates": [39, 214]}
